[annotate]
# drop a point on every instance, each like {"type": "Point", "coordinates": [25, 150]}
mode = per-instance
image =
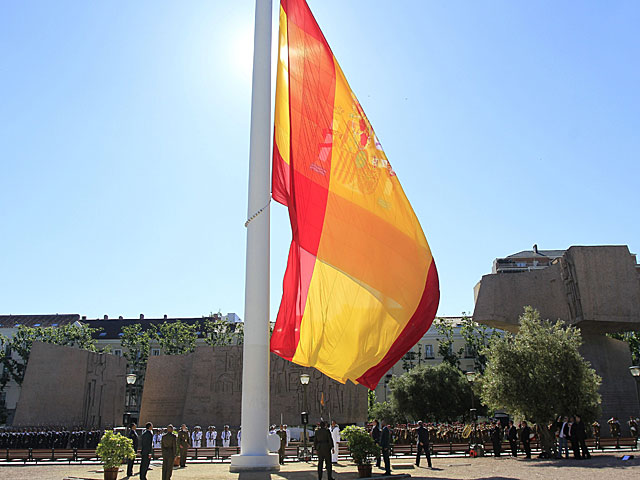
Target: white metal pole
{"type": "Point", "coordinates": [255, 373]}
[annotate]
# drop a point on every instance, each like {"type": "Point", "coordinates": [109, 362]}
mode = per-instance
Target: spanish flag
{"type": "Point", "coordinates": [361, 286]}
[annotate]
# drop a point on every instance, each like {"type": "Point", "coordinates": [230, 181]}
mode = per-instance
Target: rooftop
{"type": "Point", "coordinates": [14, 321]}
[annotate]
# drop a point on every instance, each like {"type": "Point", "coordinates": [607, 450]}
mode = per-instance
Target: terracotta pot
{"type": "Point", "coordinates": [364, 471]}
{"type": "Point", "coordinates": [111, 473]}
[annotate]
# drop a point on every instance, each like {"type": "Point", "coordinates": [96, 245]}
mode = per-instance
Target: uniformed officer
{"type": "Point", "coordinates": [184, 442]}
{"type": "Point", "coordinates": [226, 436]}
{"type": "Point", "coordinates": [169, 449]}
{"type": "Point", "coordinates": [283, 444]}
{"type": "Point", "coordinates": [323, 443]}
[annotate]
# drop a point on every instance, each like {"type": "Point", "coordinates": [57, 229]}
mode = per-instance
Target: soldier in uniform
{"type": "Point", "coordinates": [196, 437]}
{"type": "Point", "coordinates": [226, 436]}
{"type": "Point", "coordinates": [211, 437]}
{"type": "Point", "coordinates": [335, 435]}
{"type": "Point", "coordinates": [283, 444]}
{"type": "Point", "coordinates": [169, 449]}
{"type": "Point", "coordinates": [323, 443]}
{"type": "Point", "coordinates": [183, 444]}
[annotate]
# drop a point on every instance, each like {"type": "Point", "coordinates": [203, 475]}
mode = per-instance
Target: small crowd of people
{"type": "Point", "coordinates": [210, 438]}
{"type": "Point", "coordinates": [49, 437]}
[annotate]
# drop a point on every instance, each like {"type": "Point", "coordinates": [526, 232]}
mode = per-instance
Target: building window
{"type": "Point", "coordinates": [467, 352]}
{"type": "Point", "coordinates": [117, 352]}
{"type": "Point", "coordinates": [428, 351]}
{"type": "Point", "coordinates": [155, 352]}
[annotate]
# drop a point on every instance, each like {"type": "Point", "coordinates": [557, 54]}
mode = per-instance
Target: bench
{"type": "Point", "coordinates": [205, 452]}
{"type": "Point", "coordinates": [64, 454]}
{"type": "Point", "coordinates": [618, 442]}
{"type": "Point", "coordinates": [226, 452]}
{"type": "Point", "coordinates": [42, 454]}
{"type": "Point", "coordinates": [18, 454]}
{"type": "Point", "coordinates": [404, 450]}
{"type": "Point", "coordinates": [85, 455]}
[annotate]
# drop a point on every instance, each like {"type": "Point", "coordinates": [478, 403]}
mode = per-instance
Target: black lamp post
{"type": "Point", "coordinates": [131, 380]}
{"type": "Point", "coordinates": [471, 377]}
{"type": "Point", "coordinates": [304, 416]}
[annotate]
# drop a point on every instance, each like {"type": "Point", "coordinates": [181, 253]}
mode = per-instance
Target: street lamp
{"type": "Point", "coordinates": [131, 380]}
{"type": "Point", "coordinates": [471, 377]}
{"type": "Point", "coordinates": [635, 371]}
{"type": "Point", "coordinates": [304, 416]}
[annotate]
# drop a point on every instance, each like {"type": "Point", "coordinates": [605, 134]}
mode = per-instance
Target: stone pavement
{"type": "Point", "coordinates": [602, 466]}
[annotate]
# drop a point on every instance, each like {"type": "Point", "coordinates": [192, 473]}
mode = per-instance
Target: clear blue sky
{"type": "Point", "coordinates": [124, 140]}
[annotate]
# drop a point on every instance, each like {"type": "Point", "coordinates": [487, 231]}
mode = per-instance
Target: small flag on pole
{"type": "Point", "coordinates": [361, 286]}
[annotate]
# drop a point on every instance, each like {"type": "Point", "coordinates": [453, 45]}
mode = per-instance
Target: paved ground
{"type": "Point", "coordinates": [602, 466]}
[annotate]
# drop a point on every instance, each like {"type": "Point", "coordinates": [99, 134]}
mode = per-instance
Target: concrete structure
{"type": "Point", "coordinates": [594, 288]}
{"type": "Point", "coordinates": [71, 387]}
{"type": "Point", "coordinates": [205, 388]}
{"type": "Point", "coordinates": [9, 325]}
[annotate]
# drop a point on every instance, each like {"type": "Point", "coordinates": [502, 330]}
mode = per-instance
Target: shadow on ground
{"type": "Point", "coordinates": [599, 462]}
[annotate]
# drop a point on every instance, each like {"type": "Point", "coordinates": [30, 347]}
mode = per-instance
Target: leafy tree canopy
{"type": "Point", "coordinates": [432, 393]}
{"type": "Point", "coordinates": [445, 342]}
{"type": "Point", "coordinates": [477, 338]}
{"type": "Point", "coordinates": [538, 373]}
{"type": "Point", "coordinates": [633, 339]}
{"type": "Point", "coordinates": [177, 337]}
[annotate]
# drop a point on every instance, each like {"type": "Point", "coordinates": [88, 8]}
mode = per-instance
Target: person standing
{"type": "Point", "coordinates": [283, 444]}
{"type": "Point", "coordinates": [157, 439]}
{"type": "Point", "coordinates": [169, 445]}
{"type": "Point", "coordinates": [146, 448]}
{"type": "Point", "coordinates": [239, 436]}
{"type": "Point", "coordinates": [323, 443]}
{"type": "Point", "coordinates": [133, 436]}
{"type": "Point", "coordinates": [335, 436]}
{"type": "Point", "coordinates": [496, 439]}
{"type": "Point", "coordinates": [512, 436]}
{"type": "Point", "coordinates": [226, 436]}
{"type": "Point", "coordinates": [563, 437]}
{"type": "Point", "coordinates": [183, 444]}
{"type": "Point", "coordinates": [375, 434]}
{"type": "Point", "coordinates": [211, 437]}
{"type": "Point", "coordinates": [196, 437]}
{"type": "Point", "coordinates": [288, 432]}
{"type": "Point", "coordinates": [581, 435]}
{"type": "Point", "coordinates": [385, 445]}
{"type": "Point", "coordinates": [525, 438]}
{"type": "Point", "coordinates": [423, 443]}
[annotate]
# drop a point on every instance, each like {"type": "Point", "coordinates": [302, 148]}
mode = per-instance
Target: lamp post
{"type": "Point", "coordinates": [131, 380]}
{"type": "Point", "coordinates": [635, 371]}
{"type": "Point", "coordinates": [471, 377]}
{"type": "Point", "coordinates": [304, 416]}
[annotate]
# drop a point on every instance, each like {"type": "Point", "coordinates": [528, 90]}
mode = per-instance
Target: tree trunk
{"type": "Point", "coordinates": [547, 440]}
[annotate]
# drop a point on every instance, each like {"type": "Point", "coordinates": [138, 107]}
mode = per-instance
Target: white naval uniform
{"type": "Point", "coordinates": [196, 439]}
{"type": "Point", "coordinates": [211, 439]}
{"type": "Point", "coordinates": [157, 440]}
{"type": "Point", "coordinates": [239, 437]}
{"type": "Point", "coordinates": [335, 435]}
{"type": "Point", "coordinates": [226, 437]}
{"type": "Point", "coordinates": [288, 436]}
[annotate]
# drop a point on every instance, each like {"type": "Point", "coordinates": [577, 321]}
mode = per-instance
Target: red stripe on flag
{"type": "Point", "coordinates": [412, 332]}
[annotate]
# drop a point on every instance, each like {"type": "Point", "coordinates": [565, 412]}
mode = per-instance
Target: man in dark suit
{"type": "Point", "coordinates": [581, 435]}
{"type": "Point", "coordinates": [323, 443]}
{"type": "Point", "coordinates": [423, 443]}
{"type": "Point", "coordinates": [146, 448]}
{"type": "Point", "coordinates": [375, 434]}
{"type": "Point", "coordinates": [496, 438]}
{"type": "Point", "coordinates": [385, 445]}
{"type": "Point", "coordinates": [512, 436]}
{"type": "Point", "coordinates": [133, 435]}
{"type": "Point", "coordinates": [525, 438]}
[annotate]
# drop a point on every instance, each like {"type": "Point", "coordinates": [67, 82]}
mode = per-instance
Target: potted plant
{"type": "Point", "coordinates": [362, 448]}
{"type": "Point", "coordinates": [113, 449]}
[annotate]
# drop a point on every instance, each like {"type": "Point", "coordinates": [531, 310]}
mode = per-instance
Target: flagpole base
{"type": "Point", "coordinates": [255, 463]}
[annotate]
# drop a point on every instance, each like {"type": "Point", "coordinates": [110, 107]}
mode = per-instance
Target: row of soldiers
{"type": "Point", "coordinates": [456, 432]}
{"type": "Point", "coordinates": [49, 437]}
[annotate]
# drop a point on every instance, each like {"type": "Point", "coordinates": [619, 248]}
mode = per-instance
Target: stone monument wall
{"type": "Point", "coordinates": [205, 388]}
{"type": "Point", "coordinates": [71, 387]}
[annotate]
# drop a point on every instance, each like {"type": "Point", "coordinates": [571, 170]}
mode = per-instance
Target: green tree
{"type": "Point", "coordinates": [633, 339]}
{"type": "Point", "coordinates": [445, 342]}
{"type": "Point", "coordinates": [477, 338]}
{"type": "Point", "coordinates": [177, 337]}
{"type": "Point", "coordinates": [385, 411]}
{"type": "Point", "coordinates": [136, 345]}
{"type": "Point", "coordinates": [539, 373]}
{"type": "Point", "coordinates": [433, 393]}
{"type": "Point", "coordinates": [218, 332]}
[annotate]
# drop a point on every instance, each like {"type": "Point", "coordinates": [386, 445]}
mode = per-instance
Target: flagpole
{"type": "Point", "coordinates": [255, 372]}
